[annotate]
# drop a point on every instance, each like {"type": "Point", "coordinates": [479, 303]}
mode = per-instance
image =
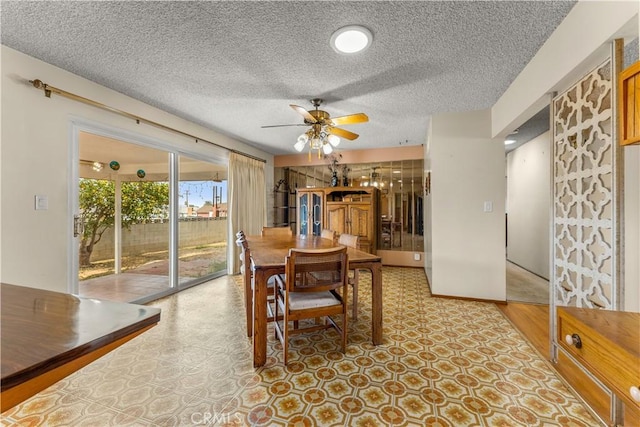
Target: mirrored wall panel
{"type": "Point", "coordinates": [402, 188]}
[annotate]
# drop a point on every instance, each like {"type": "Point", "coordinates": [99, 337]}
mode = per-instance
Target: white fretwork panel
{"type": "Point", "coordinates": [583, 193]}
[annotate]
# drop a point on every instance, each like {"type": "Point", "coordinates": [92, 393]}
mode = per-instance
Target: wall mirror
{"type": "Point", "coordinates": [402, 188]}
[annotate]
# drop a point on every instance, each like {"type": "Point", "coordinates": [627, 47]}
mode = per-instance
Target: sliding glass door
{"type": "Point", "coordinates": [123, 193]}
{"type": "Point", "coordinates": [141, 238]}
{"type": "Point", "coordinates": [202, 222]}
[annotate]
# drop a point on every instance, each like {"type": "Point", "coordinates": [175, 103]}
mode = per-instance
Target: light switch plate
{"type": "Point", "coordinates": [42, 202]}
{"type": "Point", "coordinates": [488, 206]}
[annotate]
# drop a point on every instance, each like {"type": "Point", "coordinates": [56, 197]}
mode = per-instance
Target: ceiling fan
{"type": "Point", "coordinates": [323, 133]}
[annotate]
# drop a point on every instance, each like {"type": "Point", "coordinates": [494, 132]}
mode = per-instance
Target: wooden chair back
{"type": "Point", "coordinates": [316, 270]}
{"type": "Point", "coordinates": [277, 231]}
{"type": "Point", "coordinates": [246, 271]}
{"type": "Point", "coordinates": [328, 234]}
{"type": "Point", "coordinates": [349, 240]}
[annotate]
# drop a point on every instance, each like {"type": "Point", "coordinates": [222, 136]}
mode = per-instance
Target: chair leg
{"type": "Point", "coordinates": [356, 280]}
{"type": "Point", "coordinates": [248, 303]}
{"type": "Point", "coordinates": [285, 344]}
{"type": "Point", "coordinates": [355, 301]}
{"type": "Point", "coordinates": [276, 325]}
{"type": "Point", "coordinates": [344, 331]}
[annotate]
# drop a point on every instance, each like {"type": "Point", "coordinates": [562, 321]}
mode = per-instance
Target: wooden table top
{"type": "Point", "coordinates": [270, 251]}
{"type": "Point", "coordinates": [42, 330]}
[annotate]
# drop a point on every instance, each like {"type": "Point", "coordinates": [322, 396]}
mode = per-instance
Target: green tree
{"type": "Point", "coordinates": [141, 201]}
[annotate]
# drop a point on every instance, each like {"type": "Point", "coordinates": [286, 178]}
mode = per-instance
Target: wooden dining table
{"type": "Point", "coordinates": [268, 259]}
{"type": "Point", "coordinates": [48, 335]}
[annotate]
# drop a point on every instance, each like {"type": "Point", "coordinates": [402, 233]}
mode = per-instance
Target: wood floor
{"type": "Point", "coordinates": [533, 322]}
{"type": "Point", "coordinates": [527, 306]}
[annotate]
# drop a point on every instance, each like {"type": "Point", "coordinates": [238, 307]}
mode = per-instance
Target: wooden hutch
{"type": "Point", "coordinates": [351, 210]}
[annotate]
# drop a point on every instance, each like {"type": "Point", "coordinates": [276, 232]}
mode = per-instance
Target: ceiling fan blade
{"type": "Point", "coordinates": [350, 119]}
{"type": "Point", "coordinates": [279, 126]}
{"type": "Point", "coordinates": [342, 133]}
{"type": "Point", "coordinates": [307, 116]}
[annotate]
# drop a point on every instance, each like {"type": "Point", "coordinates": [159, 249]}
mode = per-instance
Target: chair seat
{"type": "Point", "coordinates": [305, 300]}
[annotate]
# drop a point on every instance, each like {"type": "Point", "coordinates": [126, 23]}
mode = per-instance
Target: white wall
{"type": "Point", "coordinates": [468, 245]}
{"type": "Point", "coordinates": [528, 205]}
{"type": "Point", "coordinates": [36, 159]}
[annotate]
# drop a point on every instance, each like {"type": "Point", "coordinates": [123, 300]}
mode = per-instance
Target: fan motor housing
{"type": "Point", "coordinates": [320, 116]}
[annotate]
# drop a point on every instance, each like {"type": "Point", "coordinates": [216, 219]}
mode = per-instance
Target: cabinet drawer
{"type": "Point", "coordinates": [604, 349]}
{"type": "Point", "coordinates": [598, 399]}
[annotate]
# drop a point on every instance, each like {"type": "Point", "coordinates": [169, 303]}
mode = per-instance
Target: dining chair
{"type": "Point", "coordinates": [245, 270]}
{"type": "Point", "coordinates": [277, 231]}
{"type": "Point", "coordinates": [301, 295]}
{"type": "Point", "coordinates": [351, 240]}
{"type": "Point", "coordinates": [328, 234]}
{"type": "Point", "coordinates": [247, 273]}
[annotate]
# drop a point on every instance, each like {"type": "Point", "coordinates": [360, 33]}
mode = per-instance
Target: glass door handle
{"type": "Point", "coordinates": [78, 225]}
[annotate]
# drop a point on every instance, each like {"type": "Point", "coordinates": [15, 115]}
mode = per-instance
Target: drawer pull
{"type": "Point", "coordinates": [573, 340]}
{"type": "Point", "coordinates": [635, 393]}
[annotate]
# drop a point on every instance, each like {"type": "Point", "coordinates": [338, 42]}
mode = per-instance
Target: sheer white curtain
{"type": "Point", "coordinates": [247, 202]}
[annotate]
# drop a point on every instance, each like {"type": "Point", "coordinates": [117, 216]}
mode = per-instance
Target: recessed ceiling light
{"type": "Point", "coordinates": [351, 39]}
{"type": "Point", "coordinates": [509, 141]}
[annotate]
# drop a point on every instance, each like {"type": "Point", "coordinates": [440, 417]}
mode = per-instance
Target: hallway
{"type": "Point", "coordinates": [524, 286]}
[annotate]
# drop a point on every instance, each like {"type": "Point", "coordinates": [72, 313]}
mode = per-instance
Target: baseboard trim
{"type": "Point", "coordinates": [494, 301]}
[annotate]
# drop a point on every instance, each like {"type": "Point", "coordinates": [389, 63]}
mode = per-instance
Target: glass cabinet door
{"type": "Point", "coordinates": [310, 214]}
{"type": "Point", "coordinates": [317, 213]}
{"type": "Point", "coordinates": [303, 213]}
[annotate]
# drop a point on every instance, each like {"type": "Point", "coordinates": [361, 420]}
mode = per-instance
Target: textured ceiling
{"type": "Point", "coordinates": [236, 66]}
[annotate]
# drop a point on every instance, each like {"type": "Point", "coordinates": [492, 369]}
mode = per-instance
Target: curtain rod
{"type": "Point", "coordinates": [48, 90]}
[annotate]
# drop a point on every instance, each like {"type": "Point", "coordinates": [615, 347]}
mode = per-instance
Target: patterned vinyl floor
{"type": "Point", "coordinates": [443, 362]}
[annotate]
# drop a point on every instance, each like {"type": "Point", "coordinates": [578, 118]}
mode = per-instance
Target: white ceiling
{"type": "Point", "coordinates": [234, 66]}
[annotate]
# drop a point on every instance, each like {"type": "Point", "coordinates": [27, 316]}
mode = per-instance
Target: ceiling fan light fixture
{"type": "Point", "coordinates": [333, 140]}
{"type": "Point", "coordinates": [299, 146]}
{"type": "Point", "coordinates": [351, 39]}
{"type": "Point", "coordinates": [301, 142]}
{"type": "Point", "coordinates": [326, 148]}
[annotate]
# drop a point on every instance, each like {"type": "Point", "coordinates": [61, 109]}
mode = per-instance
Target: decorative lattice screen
{"type": "Point", "coordinates": [583, 223]}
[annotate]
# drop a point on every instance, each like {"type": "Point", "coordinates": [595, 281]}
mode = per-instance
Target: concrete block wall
{"type": "Point", "coordinates": [151, 237]}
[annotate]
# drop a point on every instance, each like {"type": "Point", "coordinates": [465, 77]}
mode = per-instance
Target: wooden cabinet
{"type": "Point", "coordinates": [310, 212]}
{"type": "Point", "coordinates": [354, 211]}
{"type": "Point", "coordinates": [629, 105]}
{"type": "Point", "coordinates": [599, 355]}
{"type": "Point", "coordinates": [351, 210]}
{"type": "Point", "coordinates": [352, 218]}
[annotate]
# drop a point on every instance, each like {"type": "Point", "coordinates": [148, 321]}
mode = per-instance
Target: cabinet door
{"type": "Point", "coordinates": [360, 221]}
{"type": "Point", "coordinates": [337, 218]}
{"type": "Point", "coordinates": [310, 212]}
{"type": "Point", "coordinates": [316, 213]}
{"type": "Point", "coordinates": [303, 212]}
{"type": "Point", "coordinates": [360, 224]}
